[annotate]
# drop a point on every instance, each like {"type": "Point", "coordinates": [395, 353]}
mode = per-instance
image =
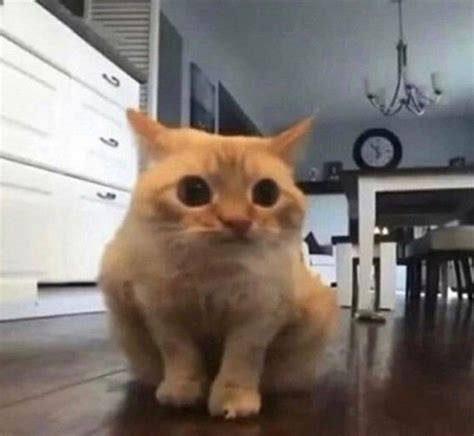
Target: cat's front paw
{"type": "Point", "coordinates": [233, 401]}
{"type": "Point", "coordinates": [181, 393]}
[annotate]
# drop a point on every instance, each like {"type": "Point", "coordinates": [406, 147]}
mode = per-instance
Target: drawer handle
{"type": "Point", "coordinates": [111, 79]}
{"type": "Point", "coordinates": [107, 195]}
{"type": "Point", "coordinates": [111, 142]}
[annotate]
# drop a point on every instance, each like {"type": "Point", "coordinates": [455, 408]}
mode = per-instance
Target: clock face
{"type": "Point", "coordinates": [377, 151]}
{"type": "Point", "coordinates": [377, 148]}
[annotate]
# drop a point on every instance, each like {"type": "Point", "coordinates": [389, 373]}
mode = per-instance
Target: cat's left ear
{"type": "Point", "coordinates": [154, 136]}
{"type": "Point", "coordinates": [285, 143]}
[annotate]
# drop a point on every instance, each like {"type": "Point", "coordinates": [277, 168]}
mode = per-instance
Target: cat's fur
{"type": "Point", "coordinates": [201, 313]}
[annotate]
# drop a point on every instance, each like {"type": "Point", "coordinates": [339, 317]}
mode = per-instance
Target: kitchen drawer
{"type": "Point", "coordinates": [33, 26]}
{"type": "Point", "coordinates": [29, 238]}
{"type": "Point", "coordinates": [95, 70]}
{"type": "Point", "coordinates": [94, 213]}
{"type": "Point", "coordinates": [100, 145]}
{"type": "Point", "coordinates": [33, 96]}
{"type": "Point", "coordinates": [30, 24]}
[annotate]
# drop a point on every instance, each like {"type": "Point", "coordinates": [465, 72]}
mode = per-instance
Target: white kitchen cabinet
{"type": "Point", "coordinates": [34, 96]}
{"type": "Point", "coordinates": [35, 28]}
{"type": "Point", "coordinates": [29, 244]}
{"type": "Point", "coordinates": [97, 72]}
{"type": "Point", "coordinates": [39, 31]}
{"type": "Point", "coordinates": [92, 214]}
{"type": "Point", "coordinates": [53, 229]}
{"type": "Point", "coordinates": [67, 160]}
{"type": "Point", "coordinates": [100, 145]}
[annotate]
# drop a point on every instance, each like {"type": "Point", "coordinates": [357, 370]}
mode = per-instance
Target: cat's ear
{"type": "Point", "coordinates": [285, 143]}
{"type": "Point", "coordinates": [152, 134]}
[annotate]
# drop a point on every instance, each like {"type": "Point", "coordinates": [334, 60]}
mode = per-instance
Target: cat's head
{"type": "Point", "coordinates": [232, 188]}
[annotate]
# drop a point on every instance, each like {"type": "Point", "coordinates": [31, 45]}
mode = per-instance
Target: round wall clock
{"type": "Point", "coordinates": [377, 148]}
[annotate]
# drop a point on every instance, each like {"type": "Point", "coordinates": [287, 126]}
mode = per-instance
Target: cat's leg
{"type": "Point", "coordinates": [185, 381]}
{"type": "Point", "coordinates": [129, 328]}
{"type": "Point", "coordinates": [292, 359]}
{"type": "Point", "coordinates": [127, 321]}
{"type": "Point", "coordinates": [235, 391]}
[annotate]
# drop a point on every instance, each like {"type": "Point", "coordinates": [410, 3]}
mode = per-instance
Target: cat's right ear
{"type": "Point", "coordinates": [152, 134]}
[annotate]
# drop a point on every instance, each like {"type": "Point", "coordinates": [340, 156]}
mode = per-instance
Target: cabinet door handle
{"type": "Point", "coordinates": [111, 142]}
{"type": "Point", "coordinates": [107, 195]}
{"type": "Point", "coordinates": [112, 80]}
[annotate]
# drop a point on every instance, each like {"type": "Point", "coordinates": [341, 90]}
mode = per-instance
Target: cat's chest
{"type": "Point", "coordinates": [212, 281]}
{"type": "Point", "coordinates": [212, 302]}
{"type": "Point", "coordinates": [209, 284]}
{"type": "Point", "coordinates": [220, 288]}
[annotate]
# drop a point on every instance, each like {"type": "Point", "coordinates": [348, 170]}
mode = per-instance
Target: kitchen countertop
{"type": "Point", "coordinates": [88, 34]}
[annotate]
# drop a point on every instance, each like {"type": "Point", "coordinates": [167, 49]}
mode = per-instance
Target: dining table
{"type": "Point", "coordinates": [403, 197]}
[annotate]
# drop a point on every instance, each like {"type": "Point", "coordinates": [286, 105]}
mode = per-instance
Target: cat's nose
{"type": "Point", "coordinates": [239, 226]}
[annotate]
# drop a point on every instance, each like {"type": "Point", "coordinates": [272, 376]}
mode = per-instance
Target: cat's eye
{"type": "Point", "coordinates": [265, 193]}
{"type": "Point", "coordinates": [194, 191]}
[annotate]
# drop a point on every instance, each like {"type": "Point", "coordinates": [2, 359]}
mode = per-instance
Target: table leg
{"type": "Point", "coordinates": [388, 275]}
{"type": "Point", "coordinates": [366, 243]}
{"type": "Point", "coordinates": [444, 279]}
{"type": "Point", "coordinates": [345, 285]}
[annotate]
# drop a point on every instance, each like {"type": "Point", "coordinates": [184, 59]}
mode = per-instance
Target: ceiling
{"type": "Point", "coordinates": [311, 55]}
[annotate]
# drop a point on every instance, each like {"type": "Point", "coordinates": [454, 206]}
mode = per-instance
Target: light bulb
{"type": "Point", "coordinates": [436, 82]}
{"type": "Point", "coordinates": [367, 87]}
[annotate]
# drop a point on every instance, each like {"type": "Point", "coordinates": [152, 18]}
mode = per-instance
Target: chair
{"type": "Point", "coordinates": [320, 258]}
{"type": "Point", "coordinates": [347, 258]}
{"type": "Point", "coordinates": [435, 249]}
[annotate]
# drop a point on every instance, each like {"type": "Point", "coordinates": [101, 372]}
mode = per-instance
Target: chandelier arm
{"type": "Point", "coordinates": [386, 111]}
{"type": "Point", "coordinates": [414, 111]}
{"type": "Point", "coordinates": [398, 109]}
{"type": "Point", "coordinates": [429, 100]}
{"type": "Point", "coordinates": [419, 94]}
{"type": "Point", "coordinates": [399, 76]}
{"type": "Point", "coordinates": [373, 103]}
{"type": "Point", "coordinates": [413, 99]}
{"type": "Point", "coordinates": [413, 107]}
{"type": "Point", "coordinates": [393, 110]}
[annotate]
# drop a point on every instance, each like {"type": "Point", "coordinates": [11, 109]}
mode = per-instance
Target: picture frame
{"type": "Point", "coordinates": [332, 170]}
{"type": "Point", "coordinates": [457, 162]}
{"type": "Point", "coordinates": [202, 100]}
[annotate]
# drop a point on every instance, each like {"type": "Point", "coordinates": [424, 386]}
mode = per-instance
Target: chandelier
{"type": "Point", "coordinates": [407, 94]}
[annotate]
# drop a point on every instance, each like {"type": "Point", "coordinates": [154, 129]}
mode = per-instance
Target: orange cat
{"type": "Point", "coordinates": [205, 283]}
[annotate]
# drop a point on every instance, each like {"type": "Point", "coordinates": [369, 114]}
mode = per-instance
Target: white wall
{"type": "Point", "coordinates": [425, 142]}
{"type": "Point", "coordinates": [218, 61]}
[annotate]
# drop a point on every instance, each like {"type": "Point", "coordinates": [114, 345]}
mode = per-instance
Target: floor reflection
{"type": "Point", "coordinates": [413, 375]}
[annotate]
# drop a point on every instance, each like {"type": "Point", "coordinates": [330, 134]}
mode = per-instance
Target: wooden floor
{"type": "Point", "coordinates": [412, 376]}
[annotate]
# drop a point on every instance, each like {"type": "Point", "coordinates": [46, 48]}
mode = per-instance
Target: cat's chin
{"type": "Point", "coordinates": [219, 237]}
{"type": "Point", "coordinates": [238, 240]}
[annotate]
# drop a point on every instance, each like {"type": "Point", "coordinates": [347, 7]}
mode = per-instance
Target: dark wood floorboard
{"type": "Point", "coordinates": [412, 376]}
{"type": "Point", "coordinates": [46, 354]}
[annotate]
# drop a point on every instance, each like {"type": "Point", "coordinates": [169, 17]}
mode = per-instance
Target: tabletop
{"type": "Point", "coordinates": [414, 207]}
